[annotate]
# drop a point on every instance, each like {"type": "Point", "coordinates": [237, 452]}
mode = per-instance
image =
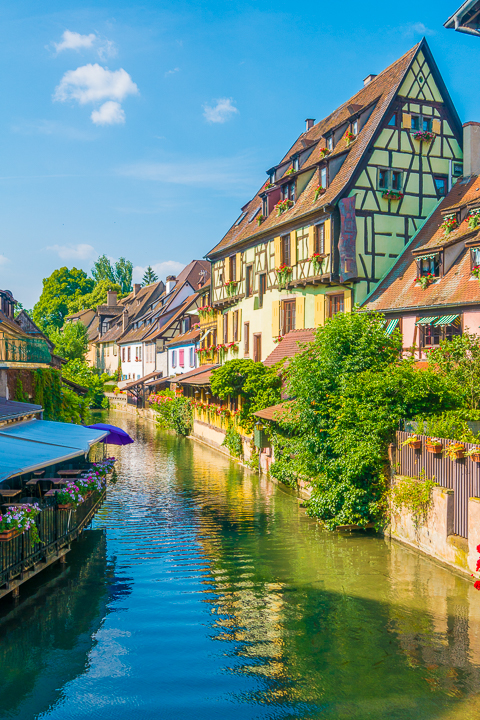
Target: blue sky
{"type": "Point", "coordinates": [140, 131]}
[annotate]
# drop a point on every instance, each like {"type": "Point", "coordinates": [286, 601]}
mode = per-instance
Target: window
{"type": "Point", "coordinates": [415, 122]}
{"type": "Point", "coordinates": [288, 316]}
{"type": "Point", "coordinates": [421, 123]}
{"type": "Point", "coordinates": [254, 215]}
{"type": "Point", "coordinates": [262, 288]}
{"type": "Point", "coordinates": [320, 239]}
{"type": "Point", "coordinates": [265, 206]}
{"type": "Point", "coordinates": [246, 339]}
{"type": "Point", "coordinates": [128, 354]}
{"type": "Point", "coordinates": [249, 281]}
{"type": "Point", "coordinates": [323, 177]}
{"type": "Point", "coordinates": [429, 265]}
{"type": "Point", "coordinates": [257, 347]}
{"type": "Point", "coordinates": [440, 185]}
{"type": "Point", "coordinates": [225, 328]}
{"type": "Point", "coordinates": [233, 267]}
{"type": "Point", "coordinates": [330, 143]}
{"type": "Point", "coordinates": [285, 250]}
{"type": "Point", "coordinates": [393, 120]}
{"type": "Point", "coordinates": [426, 124]}
{"type": "Point", "coordinates": [295, 164]}
{"type": "Point", "coordinates": [242, 216]}
{"type": "Point", "coordinates": [235, 326]}
{"type": "Point", "coordinates": [288, 191]}
{"type": "Point", "coordinates": [390, 179]}
{"type": "Point", "coordinates": [181, 358]}
{"type": "Point", "coordinates": [457, 169]}
{"type": "Point", "coordinates": [139, 353]}
{"type": "Point", "coordinates": [115, 350]}
{"type": "Point", "coordinates": [123, 354]}
{"type": "Point", "coordinates": [355, 127]}
{"type": "Point", "coordinates": [174, 358]}
{"type": "Point", "coordinates": [475, 254]}
{"type": "Point", "coordinates": [192, 357]}
{"type": "Point", "coordinates": [432, 335]}
{"type": "Point", "coordinates": [335, 304]}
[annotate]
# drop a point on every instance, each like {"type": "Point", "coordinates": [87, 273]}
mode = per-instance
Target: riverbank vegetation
{"type": "Point", "coordinates": [349, 391]}
{"type": "Point", "coordinates": [174, 411]}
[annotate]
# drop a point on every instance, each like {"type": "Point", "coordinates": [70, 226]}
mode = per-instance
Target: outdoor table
{"type": "Point", "coordinates": [33, 482]}
{"type": "Point", "coordinates": [69, 473]}
{"type": "Point", "coordinates": [9, 493]}
{"type": "Point", "coordinates": [39, 473]}
{"type": "Point", "coordinates": [60, 481]}
{"type": "Point", "coordinates": [52, 493]}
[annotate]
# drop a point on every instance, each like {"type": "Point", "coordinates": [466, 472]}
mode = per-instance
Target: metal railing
{"type": "Point", "coordinates": [56, 528]}
{"type": "Point", "coordinates": [462, 476]}
{"type": "Point", "coordinates": [24, 350]}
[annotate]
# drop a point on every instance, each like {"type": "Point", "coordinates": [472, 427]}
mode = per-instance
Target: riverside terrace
{"type": "Point", "coordinates": [50, 488]}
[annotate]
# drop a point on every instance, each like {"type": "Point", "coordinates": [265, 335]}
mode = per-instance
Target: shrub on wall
{"type": "Point", "coordinates": [173, 411]}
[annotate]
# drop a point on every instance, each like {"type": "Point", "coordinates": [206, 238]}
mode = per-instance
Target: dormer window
{"type": "Point", "coordinates": [475, 257]}
{"type": "Point", "coordinates": [265, 206]}
{"type": "Point", "coordinates": [330, 143]}
{"type": "Point", "coordinates": [355, 127]}
{"type": "Point", "coordinates": [296, 163]}
{"type": "Point", "coordinates": [429, 265]}
{"type": "Point", "coordinates": [288, 191]}
{"type": "Point", "coordinates": [323, 177]}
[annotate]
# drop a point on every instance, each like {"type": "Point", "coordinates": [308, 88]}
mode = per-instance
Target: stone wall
{"type": "Point", "coordinates": [433, 534]}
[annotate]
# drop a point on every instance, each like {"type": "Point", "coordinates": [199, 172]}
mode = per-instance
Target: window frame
{"type": "Point", "coordinates": [257, 347]}
{"type": "Point", "coordinates": [389, 172]}
{"type": "Point", "coordinates": [262, 288]}
{"type": "Point", "coordinates": [473, 252]}
{"type": "Point", "coordinates": [333, 298]}
{"type": "Point", "coordinates": [288, 316]}
{"type": "Point", "coordinates": [285, 249]}
{"type": "Point", "coordinates": [427, 264]}
{"type": "Point", "coordinates": [444, 179]}
{"type": "Point", "coordinates": [249, 281]}
{"type": "Point", "coordinates": [319, 239]}
{"type": "Point", "coordinates": [246, 339]}
{"type": "Point", "coordinates": [235, 326]}
{"type": "Point", "coordinates": [324, 176]}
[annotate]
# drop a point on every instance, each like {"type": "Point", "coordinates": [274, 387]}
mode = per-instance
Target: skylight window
{"type": "Point", "coordinates": [254, 215]}
{"type": "Point", "coordinates": [242, 216]}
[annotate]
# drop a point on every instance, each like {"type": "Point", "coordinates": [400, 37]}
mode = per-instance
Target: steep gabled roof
{"type": "Point", "coordinates": [290, 345]}
{"type": "Point", "coordinates": [398, 291]}
{"type": "Point", "coordinates": [377, 95]}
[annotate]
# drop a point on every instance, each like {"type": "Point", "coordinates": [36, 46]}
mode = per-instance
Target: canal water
{"type": "Point", "coordinates": [205, 593]}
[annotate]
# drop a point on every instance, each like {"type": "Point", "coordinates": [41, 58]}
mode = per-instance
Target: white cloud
{"type": "Point", "coordinates": [82, 251]}
{"type": "Point", "coordinates": [93, 83]}
{"type": "Point", "coordinates": [162, 269]}
{"type": "Point", "coordinates": [110, 113]}
{"type": "Point", "coordinates": [221, 112]}
{"type": "Point", "coordinates": [416, 28]}
{"type": "Point", "coordinates": [75, 41]}
{"type": "Point", "coordinates": [172, 72]}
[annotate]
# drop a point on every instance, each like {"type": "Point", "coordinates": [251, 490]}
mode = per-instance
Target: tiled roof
{"type": "Point", "coordinates": [397, 290]}
{"type": "Point", "coordinates": [188, 337]}
{"type": "Point", "coordinates": [379, 92]}
{"type": "Point", "coordinates": [290, 345]}
{"type": "Point", "coordinates": [198, 376]}
{"type": "Point", "coordinates": [11, 325]}
{"type": "Point", "coordinates": [10, 409]}
{"type": "Point", "coordinates": [143, 380]}
{"type": "Point", "coordinates": [274, 412]}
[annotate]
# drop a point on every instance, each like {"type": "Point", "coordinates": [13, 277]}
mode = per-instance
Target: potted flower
{"type": "Point", "coordinates": [433, 445]}
{"type": "Point", "coordinates": [449, 224]}
{"type": "Point", "coordinates": [393, 195]}
{"type": "Point", "coordinates": [268, 185]}
{"type": "Point", "coordinates": [260, 220]}
{"type": "Point", "coordinates": [290, 171]}
{"type": "Point", "coordinates": [283, 205]}
{"type": "Point", "coordinates": [425, 280]}
{"type": "Point", "coordinates": [324, 152]}
{"type": "Point", "coordinates": [474, 453]}
{"type": "Point", "coordinates": [317, 260]}
{"type": "Point", "coordinates": [413, 441]}
{"type": "Point", "coordinates": [278, 339]}
{"type": "Point", "coordinates": [283, 273]}
{"type": "Point", "coordinates": [319, 190]}
{"type": "Point", "coordinates": [349, 137]}
{"type": "Point", "coordinates": [231, 287]}
{"type": "Point", "coordinates": [473, 219]}
{"type": "Point", "coordinates": [424, 135]}
{"type": "Point", "coordinates": [455, 451]}
{"type": "Point", "coordinates": [476, 271]}
{"type": "Point", "coordinates": [17, 521]}
{"type": "Point", "coordinates": [233, 346]}
{"type": "Point", "coordinates": [69, 497]}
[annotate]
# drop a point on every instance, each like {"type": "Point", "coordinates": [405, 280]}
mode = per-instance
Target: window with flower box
{"type": "Point", "coordinates": [421, 123]}
{"type": "Point", "coordinates": [288, 191]}
{"type": "Point", "coordinates": [390, 179]}
{"type": "Point", "coordinates": [429, 265]}
{"type": "Point", "coordinates": [475, 256]}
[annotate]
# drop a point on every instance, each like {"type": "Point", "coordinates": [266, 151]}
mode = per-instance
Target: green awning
{"type": "Point", "coordinates": [427, 320]}
{"type": "Point", "coordinates": [391, 326]}
{"type": "Point", "coordinates": [446, 319]}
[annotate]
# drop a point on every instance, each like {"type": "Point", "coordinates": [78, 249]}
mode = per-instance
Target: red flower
{"type": "Point", "coordinates": [478, 565]}
{"type": "Point", "coordinates": [477, 585]}
{"type": "Point", "coordinates": [478, 548]}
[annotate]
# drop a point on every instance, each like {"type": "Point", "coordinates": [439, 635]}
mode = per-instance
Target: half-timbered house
{"type": "Point", "coordinates": [337, 210]}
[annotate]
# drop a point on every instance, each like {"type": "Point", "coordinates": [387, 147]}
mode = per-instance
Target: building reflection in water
{"type": "Point", "coordinates": [46, 639]}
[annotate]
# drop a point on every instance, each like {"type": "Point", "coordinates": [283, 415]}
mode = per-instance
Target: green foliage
{"type": "Point", "coordinates": [258, 386]}
{"type": "Point", "coordinates": [458, 361]}
{"type": "Point", "coordinates": [102, 270]}
{"type": "Point", "coordinates": [20, 395]}
{"type": "Point", "coordinates": [174, 412]}
{"type": "Point", "coordinates": [254, 458]}
{"type": "Point", "coordinates": [71, 342]}
{"type": "Point", "coordinates": [59, 403]}
{"type": "Point", "coordinates": [19, 307]}
{"type": "Point", "coordinates": [120, 272]}
{"type": "Point", "coordinates": [350, 392]}
{"type": "Point", "coordinates": [60, 289]}
{"type": "Point", "coordinates": [233, 442]}
{"type": "Point", "coordinates": [79, 372]}
{"type": "Point", "coordinates": [451, 425]}
{"type": "Point", "coordinates": [149, 276]}
{"type": "Point", "coordinates": [413, 494]}
{"type": "Point", "coordinates": [93, 299]}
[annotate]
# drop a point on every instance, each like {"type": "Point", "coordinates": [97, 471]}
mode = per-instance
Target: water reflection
{"type": "Point", "coordinates": [216, 597]}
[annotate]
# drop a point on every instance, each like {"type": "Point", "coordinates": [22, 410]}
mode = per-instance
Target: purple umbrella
{"type": "Point", "coordinates": [116, 435]}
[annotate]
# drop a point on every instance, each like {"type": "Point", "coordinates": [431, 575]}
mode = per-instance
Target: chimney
{"type": "Point", "coordinates": [310, 123]}
{"type": "Point", "coordinates": [111, 298]}
{"type": "Point", "coordinates": [136, 289]}
{"type": "Point", "coordinates": [124, 320]}
{"type": "Point", "coordinates": [368, 79]}
{"type": "Point", "coordinates": [170, 283]}
{"type": "Point", "coordinates": [471, 149]}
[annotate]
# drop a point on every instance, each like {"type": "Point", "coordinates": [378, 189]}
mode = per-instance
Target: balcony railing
{"type": "Point", "coordinates": [28, 350]}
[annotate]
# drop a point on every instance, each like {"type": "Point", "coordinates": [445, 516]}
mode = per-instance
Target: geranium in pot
{"type": "Point", "coordinates": [413, 441]}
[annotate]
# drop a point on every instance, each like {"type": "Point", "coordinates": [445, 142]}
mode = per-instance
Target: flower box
{"type": "Point", "coordinates": [433, 448]}
{"type": "Point", "coordinates": [66, 506]}
{"type": "Point", "coordinates": [415, 444]}
{"type": "Point", "coordinates": [475, 457]}
{"type": "Point", "coordinates": [455, 451]}
{"type": "Point", "coordinates": [9, 535]}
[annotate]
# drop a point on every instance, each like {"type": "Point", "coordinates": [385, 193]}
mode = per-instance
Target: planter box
{"type": "Point", "coordinates": [67, 506]}
{"type": "Point", "coordinates": [9, 535]}
{"type": "Point", "coordinates": [435, 449]}
{"type": "Point", "coordinates": [458, 454]}
{"type": "Point", "coordinates": [475, 457]}
{"type": "Point", "coordinates": [415, 445]}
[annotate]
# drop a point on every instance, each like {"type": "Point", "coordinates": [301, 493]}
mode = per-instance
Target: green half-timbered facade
{"type": "Point", "coordinates": [337, 210]}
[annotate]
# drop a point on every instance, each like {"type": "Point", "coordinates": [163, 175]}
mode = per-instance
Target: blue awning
{"type": "Point", "coordinates": [35, 444]}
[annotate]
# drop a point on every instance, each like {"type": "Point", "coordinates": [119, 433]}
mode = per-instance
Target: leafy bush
{"type": "Point", "coordinates": [233, 442]}
{"type": "Point", "coordinates": [79, 372]}
{"type": "Point", "coordinates": [414, 494]}
{"type": "Point", "coordinates": [71, 342]}
{"type": "Point", "coordinates": [174, 412]}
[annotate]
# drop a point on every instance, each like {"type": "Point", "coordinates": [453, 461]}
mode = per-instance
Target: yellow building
{"type": "Point", "coordinates": [337, 210]}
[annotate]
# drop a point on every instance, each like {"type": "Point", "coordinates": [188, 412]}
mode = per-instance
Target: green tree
{"type": "Point", "coordinates": [149, 276]}
{"type": "Point", "coordinates": [59, 289]}
{"type": "Point", "coordinates": [97, 297]}
{"type": "Point", "coordinates": [120, 273]}
{"type": "Point", "coordinates": [258, 385]}
{"type": "Point", "coordinates": [102, 270]}
{"type": "Point", "coordinates": [79, 372]}
{"type": "Point", "coordinates": [123, 274]}
{"type": "Point", "coordinates": [458, 360]}
{"type": "Point", "coordinates": [71, 342]}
